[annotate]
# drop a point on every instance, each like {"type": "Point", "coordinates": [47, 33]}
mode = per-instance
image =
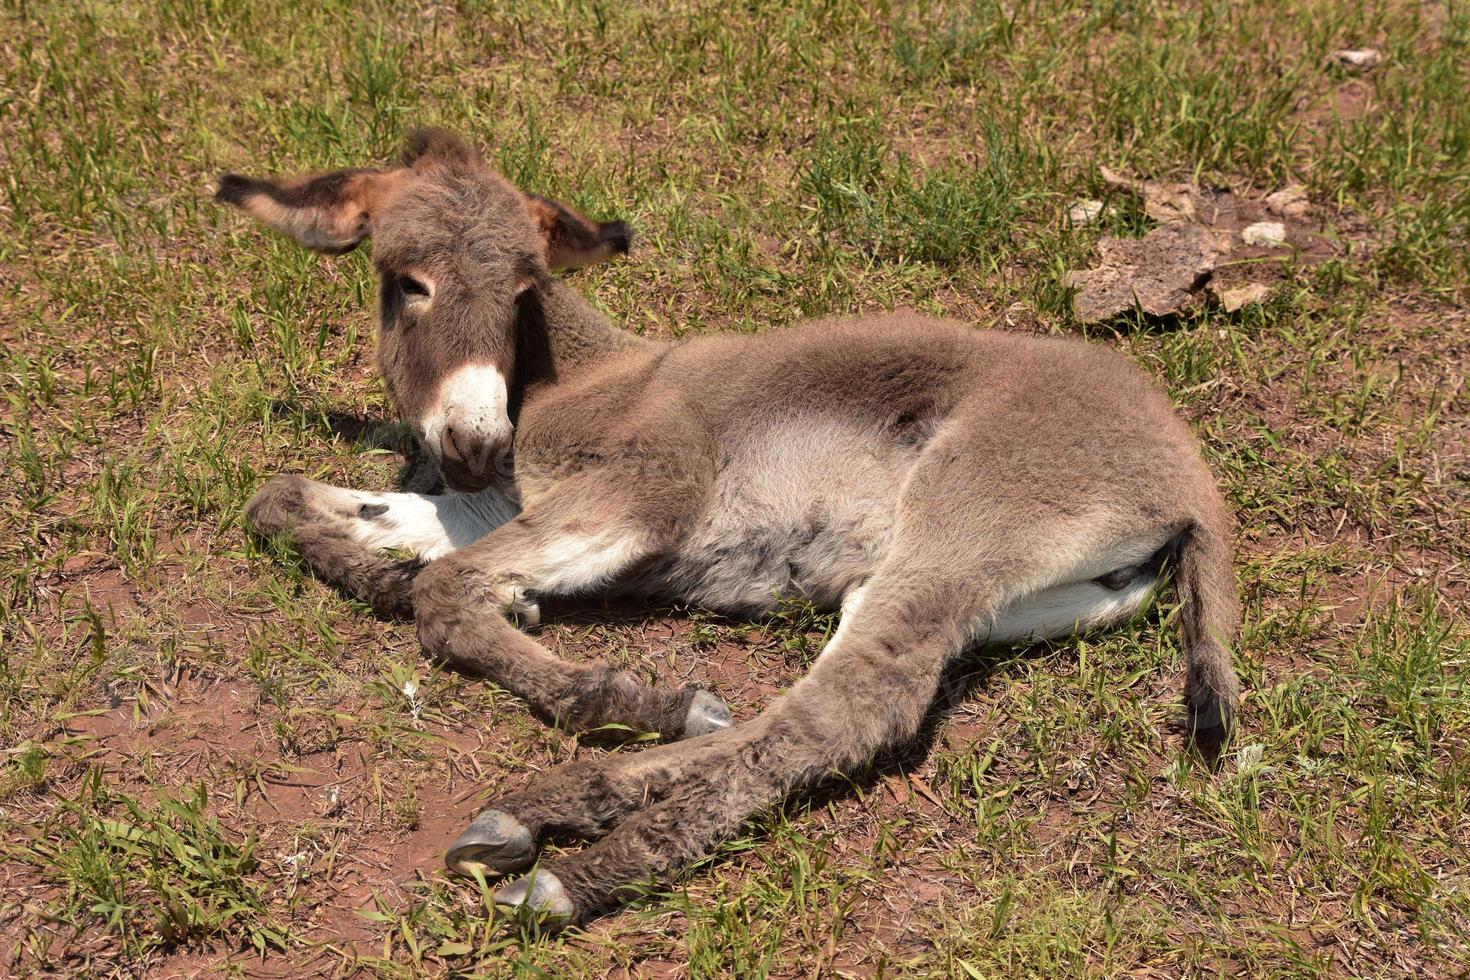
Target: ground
{"type": "Point", "coordinates": [212, 763]}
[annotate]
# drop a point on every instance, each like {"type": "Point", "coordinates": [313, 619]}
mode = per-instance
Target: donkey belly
{"type": "Point", "coordinates": [806, 510]}
{"type": "Point", "coordinates": [1066, 609]}
{"type": "Point", "coordinates": [745, 570]}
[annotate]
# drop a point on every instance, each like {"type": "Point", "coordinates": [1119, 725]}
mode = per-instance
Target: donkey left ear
{"type": "Point", "coordinates": [573, 239]}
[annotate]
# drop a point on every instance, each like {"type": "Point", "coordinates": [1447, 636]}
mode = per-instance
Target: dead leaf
{"type": "Point", "coordinates": [1160, 273]}
{"type": "Point", "coordinates": [923, 790]}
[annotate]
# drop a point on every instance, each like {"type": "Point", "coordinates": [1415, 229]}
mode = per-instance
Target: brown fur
{"type": "Point", "coordinates": [936, 481]}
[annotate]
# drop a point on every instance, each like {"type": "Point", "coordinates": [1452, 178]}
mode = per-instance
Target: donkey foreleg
{"type": "Point", "coordinates": [326, 527]}
{"type": "Point", "coordinates": [562, 547]}
{"type": "Point", "coordinates": [429, 525]}
{"type": "Point", "coordinates": [588, 797]}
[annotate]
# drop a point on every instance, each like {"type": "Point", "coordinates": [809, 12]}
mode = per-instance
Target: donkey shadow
{"type": "Point", "coordinates": [416, 474]}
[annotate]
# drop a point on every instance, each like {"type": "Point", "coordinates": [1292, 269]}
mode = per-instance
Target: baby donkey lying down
{"type": "Point", "coordinates": [942, 485]}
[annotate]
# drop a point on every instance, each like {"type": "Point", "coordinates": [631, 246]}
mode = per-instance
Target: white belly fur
{"type": "Point", "coordinates": [1066, 609]}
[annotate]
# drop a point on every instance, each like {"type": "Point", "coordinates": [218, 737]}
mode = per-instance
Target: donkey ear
{"type": "Point", "coordinates": [574, 240]}
{"type": "Point", "coordinates": [329, 213]}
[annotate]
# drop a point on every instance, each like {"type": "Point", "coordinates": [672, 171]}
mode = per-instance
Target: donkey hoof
{"type": "Point", "coordinates": [522, 607]}
{"type": "Point", "coordinates": [707, 713]}
{"type": "Point", "coordinates": [541, 895]}
{"type": "Point", "coordinates": [496, 843]}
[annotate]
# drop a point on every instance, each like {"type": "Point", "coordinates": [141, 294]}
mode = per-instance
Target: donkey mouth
{"type": "Point", "coordinates": [462, 479]}
{"type": "Point", "coordinates": [465, 482]}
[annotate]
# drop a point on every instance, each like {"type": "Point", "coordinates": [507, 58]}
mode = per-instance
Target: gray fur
{"type": "Point", "coordinates": [941, 484]}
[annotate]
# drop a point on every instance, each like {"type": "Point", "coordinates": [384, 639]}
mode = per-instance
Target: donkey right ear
{"type": "Point", "coordinates": [330, 213]}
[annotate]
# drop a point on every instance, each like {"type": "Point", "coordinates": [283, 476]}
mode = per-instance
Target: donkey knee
{"type": "Point", "coordinates": [452, 588]}
{"type": "Point", "coordinates": [439, 598]}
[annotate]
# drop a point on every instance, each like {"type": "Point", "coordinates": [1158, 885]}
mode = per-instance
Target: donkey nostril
{"type": "Point", "coordinates": [450, 447]}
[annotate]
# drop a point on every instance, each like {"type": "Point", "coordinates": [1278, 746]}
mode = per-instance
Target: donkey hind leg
{"type": "Point", "coordinates": [657, 811]}
{"type": "Point", "coordinates": [664, 808]}
{"type": "Point", "coordinates": [461, 602]}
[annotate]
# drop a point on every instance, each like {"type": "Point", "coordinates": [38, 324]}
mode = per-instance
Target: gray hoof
{"type": "Point", "coordinates": [540, 895]}
{"type": "Point", "coordinates": [496, 843]}
{"type": "Point", "coordinates": [707, 713]}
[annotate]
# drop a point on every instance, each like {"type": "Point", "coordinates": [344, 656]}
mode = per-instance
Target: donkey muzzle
{"type": "Point", "coordinates": [470, 458]}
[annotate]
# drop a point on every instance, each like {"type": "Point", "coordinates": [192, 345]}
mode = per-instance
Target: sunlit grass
{"type": "Point", "coordinates": [159, 358]}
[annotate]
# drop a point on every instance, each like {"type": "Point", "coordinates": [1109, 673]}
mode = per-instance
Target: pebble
{"type": "Point", "coordinates": [1357, 59]}
{"type": "Point", "coordinates": [1265, 233]}
{"type": "Point", "coordinates": [1084, 212]}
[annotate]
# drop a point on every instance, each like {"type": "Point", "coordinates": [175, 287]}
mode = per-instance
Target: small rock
{"type": "Point", "coordinates": [1289, 202]}
{"type": "Point", "coordinates": [1357, 59]}
{"type": "Point", "coordinates": [1242, 296]}
{"type": "Point", "coordinates": [1084, 212]}
{"type": "Point", "coordinates": [1269, 233]}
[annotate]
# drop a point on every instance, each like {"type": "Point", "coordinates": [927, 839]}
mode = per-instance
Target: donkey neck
{"type": "Point", "coordinates": [561, 335]}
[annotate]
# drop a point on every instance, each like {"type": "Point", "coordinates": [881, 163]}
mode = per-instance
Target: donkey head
{"type": "Point", "coordinates": [455, 246]}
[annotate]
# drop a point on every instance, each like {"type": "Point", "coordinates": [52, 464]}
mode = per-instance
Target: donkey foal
{"type": "Point", "coordinates": [943, 486]}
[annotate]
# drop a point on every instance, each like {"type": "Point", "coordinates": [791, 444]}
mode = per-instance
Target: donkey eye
{"type": "Point", "coordinates": [412, 289]}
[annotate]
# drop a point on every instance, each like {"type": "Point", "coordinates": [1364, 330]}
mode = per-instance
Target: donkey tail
{"type": "Point", "coordinates": [1210, 622]}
